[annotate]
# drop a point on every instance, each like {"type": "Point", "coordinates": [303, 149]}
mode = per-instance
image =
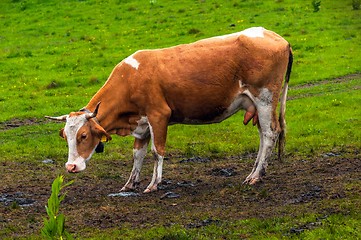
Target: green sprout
{"type": "Point", "coordinates": [54, 227]}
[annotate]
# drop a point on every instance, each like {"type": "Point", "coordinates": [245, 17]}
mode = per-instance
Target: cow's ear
{"type": "Point", "coordinates": [61, 133]}
{"type": "Point", "coordinates": [101, 133]}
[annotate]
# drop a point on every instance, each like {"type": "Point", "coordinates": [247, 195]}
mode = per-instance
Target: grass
{"type": "Point", "coordinates": [307, 227]}
{"type": "Point", "coordinates": [54, 55]}
{"type": "Point", "coordinates": [71, 47]}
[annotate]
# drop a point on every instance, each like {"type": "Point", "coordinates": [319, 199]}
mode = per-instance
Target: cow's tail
{"type": "Point", "coordinates": [282, 120]}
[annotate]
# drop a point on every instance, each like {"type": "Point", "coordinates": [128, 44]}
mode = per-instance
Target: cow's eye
{"type": "Point", "coordinates": [83, 136]}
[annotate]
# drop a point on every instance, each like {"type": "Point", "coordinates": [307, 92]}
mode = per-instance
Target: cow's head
{"type": "Point", "coordinates": [83, 135]}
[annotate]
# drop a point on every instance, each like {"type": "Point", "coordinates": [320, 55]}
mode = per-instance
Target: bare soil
{"type": "Point", "coordinates": [195, 192]}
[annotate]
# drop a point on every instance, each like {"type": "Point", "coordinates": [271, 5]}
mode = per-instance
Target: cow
{"type": "Point", "coordinates": [198, 83]}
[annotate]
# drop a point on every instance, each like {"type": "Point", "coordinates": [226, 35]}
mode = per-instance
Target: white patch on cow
{"type": "Point", "coordinates": [264, 98]}
{"type": "Point", "coordinates": [249, 32]}
{"type": "Point", "coordinates": [264, 108]}
{"type": "Point", "coordinates": [253, 32]}
{"type": "Point", "coordinates": [142, 130]}
{"type": "Point", "coordinates": [226, 36]}
{"type": "Point", "coordinates": [268, 136]}
{"type": "Point", "coordinates": [132, 61]}
{"type": "Point", "coordinates": [154, 150]}
{"type": "Point", "coordinates": [138, 155]}
{"type": "Point", "coordinates": [240, 84]}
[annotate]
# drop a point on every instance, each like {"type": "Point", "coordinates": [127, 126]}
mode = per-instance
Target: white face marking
{"type": "Point", "coordinates": [132, 62]}
{"type": "Point", "coordinates": [72, 126]}
{"type": "Point", "coordinates": [253, 32]}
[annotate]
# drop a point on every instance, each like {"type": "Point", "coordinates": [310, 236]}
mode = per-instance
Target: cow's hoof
{"type": "Point", "coordinates": [147, 191]}
{"type": "Point", "coordinates": [126, 189]}
{"type": "Point", "coordinates": [150, 189]}
{"type": "Point", "coordinates": [129, 187]}
{"type": "Point", "coordinates": [251, 181]}
{"type": "Point", "coordinates": [254, 181]}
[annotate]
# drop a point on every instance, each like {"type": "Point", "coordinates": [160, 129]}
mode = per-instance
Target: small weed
{"type": "Point", "coordinates": [14, 205]}
{"type": "Point", "coordinates": [316, 5]}
{"type": "Point", "coordinates": [356, 4]}
{"type": "Point", "coordinates": [263, 193]}
{"type": "Point", "coordinates": [53, 85]}
{"type": "Point", "coordinates": [180, 235]}
{"type": "Point", "coordinates": [194, 31]}
{"type": "Point", "coordinates": [182, 10]}
{"type": "Point", "coordinates": [94, 80]}
{"type": "Point", "coordinates": [54, 227]}
{"type": "Point", "coordinates": [336, 102]}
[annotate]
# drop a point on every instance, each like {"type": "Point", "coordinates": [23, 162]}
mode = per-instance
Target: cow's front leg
{"type": "Point", "coordinates": [139, 152]}
{"type": "Point", "coordinates": [158, 131]}
{"type": "Point", "coordinates": [157, 174]}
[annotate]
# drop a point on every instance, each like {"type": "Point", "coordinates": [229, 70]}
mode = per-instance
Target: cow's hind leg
{"type": "Point", "coordinates": [139, 152]}
{"type": "Point", "coordinates": [268, 130]}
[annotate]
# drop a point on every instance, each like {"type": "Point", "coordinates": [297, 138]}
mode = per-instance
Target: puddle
{"type": "Point", "coordinates": [203, 223]}
{"type": "Point", "coordinates": [313, 193]}
{"type": "Point", "coordinates": [124, 194]}
{"type": "Point", "coordinates": [224, 172]}
{"type": "Point", "coordinates": [331, 154]}
{"type": "Point", "coordinates": [17, 198]}
{"type": "Point", "coordinates": [166, 185]}
{"type": "Point", "coordinates": [195, 159]}
{"type": "Point", "coordinates": [185, 184]}
{"type": "Point", "coordinates": [170, 195]}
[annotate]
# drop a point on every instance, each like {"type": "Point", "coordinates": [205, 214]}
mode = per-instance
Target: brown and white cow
{"type": "Point", "coordinates": [198, 83]}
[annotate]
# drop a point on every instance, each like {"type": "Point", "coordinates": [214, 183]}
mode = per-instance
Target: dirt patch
{"type": "Point", "coordinates": [346, 78]}
{"type": "Point", "coordinates": [15, 123]}
{"type": "Point", "coordinates": [194, 193]}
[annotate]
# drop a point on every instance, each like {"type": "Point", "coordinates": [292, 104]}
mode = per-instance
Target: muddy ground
{"type": "Point", "coordinates": [195, 192]}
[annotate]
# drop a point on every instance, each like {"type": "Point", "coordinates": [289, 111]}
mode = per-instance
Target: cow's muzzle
{"type": "Point", "coordinates": [71, 168]}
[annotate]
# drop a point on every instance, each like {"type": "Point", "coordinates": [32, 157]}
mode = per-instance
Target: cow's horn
{"type": "Point", "coordinates": [94, 114]}
{"type": "Point", "coordinates": [60, 118]}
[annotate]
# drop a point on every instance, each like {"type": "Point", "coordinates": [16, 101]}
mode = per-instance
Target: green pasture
{"type": "Point", "coordinates": [54, 55]}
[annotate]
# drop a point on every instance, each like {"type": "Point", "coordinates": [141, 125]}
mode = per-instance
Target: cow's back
{"type": "Point", "coordinates": [202, 79]}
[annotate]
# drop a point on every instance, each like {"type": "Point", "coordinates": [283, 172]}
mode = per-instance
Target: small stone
{"type": "Point", "coordinates": [48, 161]}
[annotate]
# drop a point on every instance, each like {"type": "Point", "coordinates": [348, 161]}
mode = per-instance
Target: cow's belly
{"type": "Point", "coordinates": [212, 114]}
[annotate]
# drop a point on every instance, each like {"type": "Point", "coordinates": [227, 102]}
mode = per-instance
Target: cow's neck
{"type": "Point", "coordinates": [113, 106]}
